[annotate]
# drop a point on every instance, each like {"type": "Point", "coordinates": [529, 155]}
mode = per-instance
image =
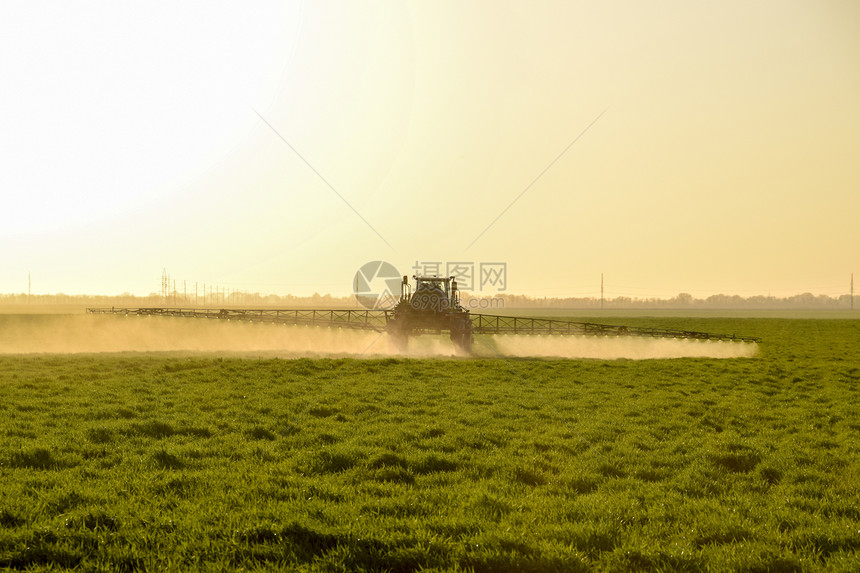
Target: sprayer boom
{"type": "Point", "coordinates": [353, 319]}
{"type": "Point", "coordinates": [492, 324]}
{"type": "Point", "coordinates": [434, 308]}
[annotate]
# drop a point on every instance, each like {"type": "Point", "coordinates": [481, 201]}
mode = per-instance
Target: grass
{"type": "Point", "coordinates": [163, 462]}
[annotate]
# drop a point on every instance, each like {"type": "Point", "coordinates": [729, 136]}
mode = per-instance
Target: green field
{"type": "Point", "coordinates": [163, 461]}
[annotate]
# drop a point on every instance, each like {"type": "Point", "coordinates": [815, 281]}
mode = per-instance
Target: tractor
{"type": "Point", "coordinates": [433, 308]}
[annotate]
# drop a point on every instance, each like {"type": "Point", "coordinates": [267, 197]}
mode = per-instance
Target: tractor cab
{"type": "Point", "coordinates": [431, 294]}
{"type": "Point", "coordinates": [435, 294]}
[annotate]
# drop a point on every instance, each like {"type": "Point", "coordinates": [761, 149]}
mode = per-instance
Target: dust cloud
{"type": "Point", "coordinates": [63, 334]}
{"type": "Point", "coordinates": [616, 347]}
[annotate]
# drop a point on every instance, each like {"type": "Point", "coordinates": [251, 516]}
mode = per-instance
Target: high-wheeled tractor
{"type": "Point", "coordinates": [434, 307]}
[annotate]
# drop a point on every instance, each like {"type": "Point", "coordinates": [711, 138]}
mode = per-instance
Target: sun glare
{"type": "Point", "coordinates": [106, 106]}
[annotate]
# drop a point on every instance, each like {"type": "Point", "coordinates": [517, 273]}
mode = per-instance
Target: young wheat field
{"type": "Point", "coordinates": [168, 461]}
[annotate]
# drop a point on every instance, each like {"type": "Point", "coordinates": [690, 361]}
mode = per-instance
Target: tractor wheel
{"type": "Point", "coordinates": [461, 336]}
{"type": "Point", "coordinates": [399, 337]}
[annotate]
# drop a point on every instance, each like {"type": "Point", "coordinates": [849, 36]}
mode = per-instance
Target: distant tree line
{"type": "Point", "coordinates": [127, 300]}
{"type": "Point", "coordinates": [682, 301]}
{"type": "Point", "coordinates": [499, 301]}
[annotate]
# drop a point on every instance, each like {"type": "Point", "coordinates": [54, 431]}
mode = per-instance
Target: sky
{"type": "Point", "coordinates": [276, 147]}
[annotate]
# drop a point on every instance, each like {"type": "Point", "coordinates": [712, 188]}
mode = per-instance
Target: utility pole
{"type": "Point", "coordinates": [601, 291]}
{"type": "Point", "coordinates": [30, 286]}
{"type": "Point", "coordinates": [852, 291]}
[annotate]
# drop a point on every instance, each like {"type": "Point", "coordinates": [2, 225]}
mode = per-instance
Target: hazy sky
{"type": "Point", "coordinates": [718, 144]}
